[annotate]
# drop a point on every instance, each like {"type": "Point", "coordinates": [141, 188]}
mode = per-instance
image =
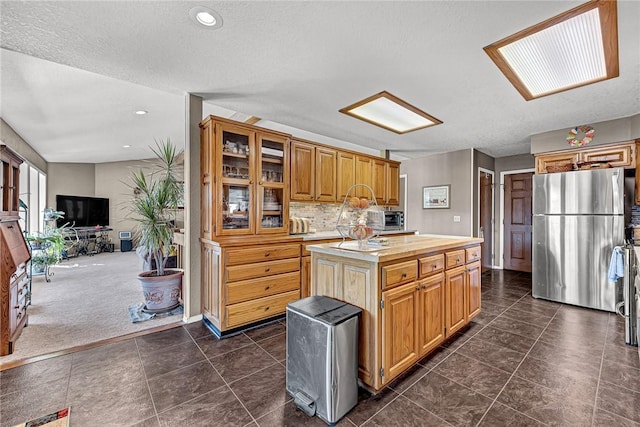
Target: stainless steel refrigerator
{"type": "Point", "coordinates": [578, 219]}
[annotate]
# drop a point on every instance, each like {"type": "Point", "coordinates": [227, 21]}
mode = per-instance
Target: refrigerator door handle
{"type": "Point", "coordinates": [616, 196]}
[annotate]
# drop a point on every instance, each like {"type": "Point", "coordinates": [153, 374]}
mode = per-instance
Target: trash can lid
{"type": "Point", "coordinates": [324, 309]}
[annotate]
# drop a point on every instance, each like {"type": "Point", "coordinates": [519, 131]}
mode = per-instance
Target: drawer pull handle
{"type": "Point", "coordinates": [404, 275]}
{"type": "Point", "coordinates": [434, 267]}
{"type": "Point", "coordinates": [16, 307]}
{"type": "Point", "coordinates": [267, 254]}
{"type": "Point", "coordinates": [266, 270]}
{"type": "Point", "coordinates": [457, 259]}
{"type": "Point", "coordinates": [266, 308]}
{"type": "Point", "coordinates": [10, 226]}
{"type": "Point", "coordinates": [19, 315]}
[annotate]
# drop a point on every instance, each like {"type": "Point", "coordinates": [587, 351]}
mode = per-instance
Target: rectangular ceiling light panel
{"type": "Point", "coordinates": [391, 113]}
{"type": "Point", "coordinates": [574, 49]}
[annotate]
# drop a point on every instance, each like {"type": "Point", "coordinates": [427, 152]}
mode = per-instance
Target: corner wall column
{"type": "Point", "coordinates": [191, 279]}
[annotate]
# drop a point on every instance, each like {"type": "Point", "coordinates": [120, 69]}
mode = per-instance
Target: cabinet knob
{"type": "Point", "coordinates": [417, 288]}
{"type": "Point", "coordinates": [267, 254]}
{"type": "Point", "coordinates": [266, 270]}
{"type": "Point", "coordinates": [267, 288]}
{"type": "Point", "coordinates": [266, 308]}
{"type": "Point", "coordinates": [434, 267]}
{"type": "Point", "coordinates": [404, 275]}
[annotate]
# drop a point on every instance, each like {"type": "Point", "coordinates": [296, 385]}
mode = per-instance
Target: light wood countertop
{"type": "Point", "coordinates": [399, 247]}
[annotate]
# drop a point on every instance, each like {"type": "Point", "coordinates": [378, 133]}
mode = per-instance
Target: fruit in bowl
{"type": "Point", "coordinates": [364, 204]}
{"type": "Point", "coordinates": [361, 231]}
{"type": "Point", "coordinates": [354, 202]}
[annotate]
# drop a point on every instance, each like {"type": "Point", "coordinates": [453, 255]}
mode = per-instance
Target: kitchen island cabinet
{"type": "Point", "coordinates": [415, 293]}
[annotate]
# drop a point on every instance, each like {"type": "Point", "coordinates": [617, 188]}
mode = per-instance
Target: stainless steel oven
{"type": "Point", "coordinates": [394, 220]}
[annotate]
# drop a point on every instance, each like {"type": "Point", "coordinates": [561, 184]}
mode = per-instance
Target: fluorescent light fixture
{"type": "Point", "coordinates": [573, 49]}
{"type": "Point", "coordinates": [205, 17]}
{"type": "Point", "coordinates": [142, 112]}
{"type": "Point", "coordinates": [391, 113]}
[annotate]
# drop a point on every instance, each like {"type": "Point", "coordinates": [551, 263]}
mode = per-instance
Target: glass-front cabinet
{"type": "Point", "coordinates": [273, 158]}
{"type": "Point", "coordinates": [251, 169]}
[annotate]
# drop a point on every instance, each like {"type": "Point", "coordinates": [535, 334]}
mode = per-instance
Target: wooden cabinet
{"type": "Point", "coordinates": [346, 175]}
{"type": "Point", "coordinates": [313, 172]}
{"type": "Point", "coordinates": [455, 285]}
{"type": "Point", "coordinates": [244, 179]}
{"type": "Point", "coordinates": [245, 284]}
{"type": "Point", "coordinates": [431, 306]}
{"type": "Point", "coordinates": [326, 172]}
{"type": "Point", "coordinates": [410, 304]}
{"type": "Point", "coordinates": [303, 166]}
{"type": "Point", "coordinates": [379, 180]}
{"type": "Point", "coordinates": [392, 184]}
{"type": "Point", "coordinates": [400, 318]}
{"type": "Point", "coordinates": [473, 290]}
{"type": "Point", "coordinates": [617, 155]}
{"type": "Point", "coordinates": [9, 182]}
{"type": "Point", "coordinates": [363, 175]}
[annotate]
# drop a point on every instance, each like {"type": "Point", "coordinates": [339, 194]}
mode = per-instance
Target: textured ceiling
{"type": "Point", "coordinates": [74, 72]}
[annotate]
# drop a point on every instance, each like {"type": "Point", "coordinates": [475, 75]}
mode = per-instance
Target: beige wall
{"type": "Point", "coordinates": [71, 179]}
{"type": "Point", "coordinates": [618, 130]}
{"type": "Point", "coordinates": [11, 139]}
{"type": "Point", "coordinates": [453, 168]}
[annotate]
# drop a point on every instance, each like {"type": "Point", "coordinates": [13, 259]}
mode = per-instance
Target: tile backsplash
{"type": "Point", "coordinates": [323, 216]}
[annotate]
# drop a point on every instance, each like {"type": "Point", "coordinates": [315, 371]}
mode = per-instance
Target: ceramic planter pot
{"type": "Point", "coordinates": [161, 293]}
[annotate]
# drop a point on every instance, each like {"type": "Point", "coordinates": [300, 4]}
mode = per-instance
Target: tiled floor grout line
{"type": "Point", "coordinates": [595, 398]}
{"type": "Point", "coordinates": [146, 380]}
{"type": "Point", "coordinates": [514, 373]}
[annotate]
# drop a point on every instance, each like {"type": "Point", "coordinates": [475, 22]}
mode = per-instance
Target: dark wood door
{"type": "Point", "coordinates": [517, 222]}
{"type": "Point", "coordinates": [486, 219]}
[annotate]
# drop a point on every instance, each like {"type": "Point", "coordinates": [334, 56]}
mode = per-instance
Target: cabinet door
{"type": "Point", "coordinates": [235, 186]}
{"type": "Point", "coordinates": [455, 299]}
{"type": "Point", "coordinates": [9, 182]}
{"type": "Point", "coordinates": [207, 202]}
{"type": "Point", "coordinates": [346, 174]}
{"type": "Point", "coordinates": [473, 290]}
{"type": "Point", "coordinates": [400, 330]}
{"type": "Point", "coordinates": [305, 277]}
{"type": "Point", "coordinates": [363, 176]}
{"type": "Point", "coordinates": [378, 179]}
{"type": "Point", "coordinates": [210, 283]}
{"type": "Point", "coordinates": [556, 159]}
{"type": "Point", "coordinates": [431, 303]}
{"type": "Point", "coordinates": [326, 161]}
{"type": "Point", "coordinates": [302, 171]}
{"type": "Point", "coordinates": [272, 208]}
{"type": "Point", "coordinates": [617, 156]}
{"type": "Point", "coordinates": [392, 184]}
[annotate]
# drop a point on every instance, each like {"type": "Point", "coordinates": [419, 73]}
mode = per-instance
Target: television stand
{"type": "Point", "coordinates": [90, 240]}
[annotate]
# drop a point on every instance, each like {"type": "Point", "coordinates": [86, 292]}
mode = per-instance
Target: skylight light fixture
{"type": "Point", "coordinates": [205, 17]}
{"type": "Point", "coordinates": [576, 48]}
{"type": "Point", "coordinates": [391, 113]}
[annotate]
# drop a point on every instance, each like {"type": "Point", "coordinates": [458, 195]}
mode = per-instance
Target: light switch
{"type": "Point", "coordinates": [456, 218]}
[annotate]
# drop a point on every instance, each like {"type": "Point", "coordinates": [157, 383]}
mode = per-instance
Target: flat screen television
{"type": "Point", "coordinates": [82, 211]}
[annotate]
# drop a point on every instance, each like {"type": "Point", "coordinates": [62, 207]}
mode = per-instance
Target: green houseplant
{"type": "Point", "coordinates": [48, 246]}
{"type": "Point", "coordinates": [157, 194]}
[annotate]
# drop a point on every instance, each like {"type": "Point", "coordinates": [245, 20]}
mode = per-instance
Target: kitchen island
{"type": "Point", "coordinates": [415, 293]}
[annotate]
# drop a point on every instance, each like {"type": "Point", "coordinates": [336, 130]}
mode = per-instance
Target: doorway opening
{"type": "Point", "coordinates": [486, 218]}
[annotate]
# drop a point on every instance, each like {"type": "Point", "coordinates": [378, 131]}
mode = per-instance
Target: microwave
{"type": "Point", "coordinates": [394, 220]}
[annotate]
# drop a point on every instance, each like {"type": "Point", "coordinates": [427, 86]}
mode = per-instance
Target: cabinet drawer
{"type": "Point", "coordinates": [399, 273]}
{"type": "Point", "coordinates": [455, 258]}
{"type": "Point", "coordinates": [431, 264]}
{"type": "Point", "coordinates": [473, 254]}
{"type": "Point", "coordinates": [257, 288]}
{"type": "Point", "coordinates": [263, 308]}
{"type": "Point", "coordinates": [261, 269]}
{"type": "Point", "coordinates": [262, 253]}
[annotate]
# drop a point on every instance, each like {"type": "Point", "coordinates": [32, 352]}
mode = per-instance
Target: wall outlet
{"type": "Point", "coordinates": [456, 218]}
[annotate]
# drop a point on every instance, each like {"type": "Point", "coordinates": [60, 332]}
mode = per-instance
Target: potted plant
{"type": "Point", "coordinates": [157, 195]}
{"type": "Point", "coordinates": [48, 247]}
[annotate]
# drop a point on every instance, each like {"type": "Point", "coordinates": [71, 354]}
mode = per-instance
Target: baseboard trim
{"type": "Point", "coordinates": [192, 319]}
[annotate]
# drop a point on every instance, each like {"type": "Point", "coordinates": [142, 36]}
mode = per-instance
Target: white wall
{"type": "Point", "coordinates": [449, 168]}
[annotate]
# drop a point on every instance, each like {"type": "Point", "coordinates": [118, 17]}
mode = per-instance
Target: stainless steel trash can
{"type": "Point", "coordinates": [322, 356]}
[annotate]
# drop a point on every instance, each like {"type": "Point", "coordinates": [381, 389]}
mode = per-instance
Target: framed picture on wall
{"type": "Point", "coordinates": [435, 197]}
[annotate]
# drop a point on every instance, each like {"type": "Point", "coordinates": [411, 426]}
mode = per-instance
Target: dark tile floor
{"type": "Point", "coordinates": [522, 362]}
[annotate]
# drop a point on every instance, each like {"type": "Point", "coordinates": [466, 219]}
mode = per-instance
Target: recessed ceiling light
{"type": "Point", "coordinates": [126, 146]}
{"type": "Point", "coordinates": [141, 112]}
{"type": "Point", "coordinates": [573, 49]}
{"type": "Point", "coordinates": [203, 16]}
{"type": "Point", "coordinates": [391, 113]}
